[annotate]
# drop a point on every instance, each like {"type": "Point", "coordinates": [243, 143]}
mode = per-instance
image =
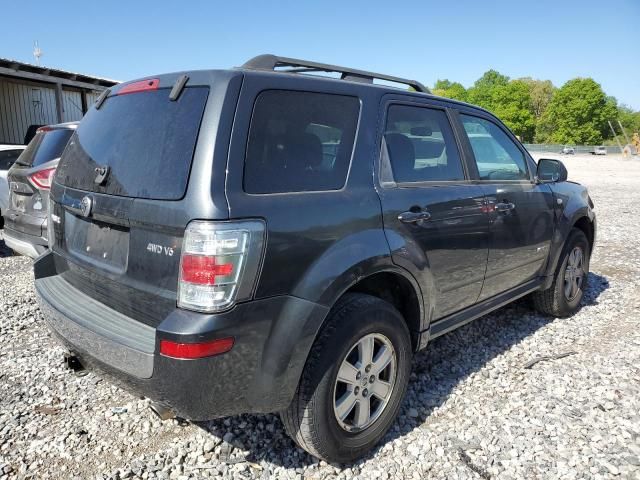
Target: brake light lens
{"type": "Point", "coordinates": [141, 86]}
{"type": "Point", "coordinates": [43, 178]}
{"type": "Point", "coordinates": [219, 264]}
{"type": "Point", "coordinates": [195, 350]}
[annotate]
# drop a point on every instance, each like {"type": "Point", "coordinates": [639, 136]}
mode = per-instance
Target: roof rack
{"type": "Point", "coordinates": [273, 62]}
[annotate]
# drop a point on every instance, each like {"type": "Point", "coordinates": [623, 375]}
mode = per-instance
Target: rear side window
{"type": "Point", "coordinates": [497, 156]}
{"type": "Point", "coordinates": [421, 145]}
{"type": "Point", "coordinates": [145, 139]}
{"type": "Point", "coordinates": [45, 146]}
{"type": "Point", "coordinates": [8, 157]}
{"type": "Point", "coordinates": [300, 142]}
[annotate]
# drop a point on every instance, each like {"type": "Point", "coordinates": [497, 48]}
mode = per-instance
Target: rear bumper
{"type": "Point", "coordinates": [259, 374]}
{"type": "Point", "coordinates": [28, 245]}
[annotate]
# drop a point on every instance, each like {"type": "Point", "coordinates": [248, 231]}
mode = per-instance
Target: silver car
{"type": "Point", "coordinates": [8, 155]}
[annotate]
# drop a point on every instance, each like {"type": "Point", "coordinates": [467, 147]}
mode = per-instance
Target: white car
{"type": "Point", "coordinates": [8, 155]}
{"type": "Point", "coordinates": [601, 150]}
{"type": "Point", "coordinates": [567, 150]}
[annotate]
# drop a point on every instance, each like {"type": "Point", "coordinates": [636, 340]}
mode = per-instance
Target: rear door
{"type": "Point", "coordinates": [520, 210]}
{"type": "Point", "coordinates": [433, 215]}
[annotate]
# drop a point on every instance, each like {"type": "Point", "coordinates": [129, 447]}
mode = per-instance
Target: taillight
{"type": "Point", "coordinates": [43, 178]}
{"type": "Point", "coordinates": [219, 264]}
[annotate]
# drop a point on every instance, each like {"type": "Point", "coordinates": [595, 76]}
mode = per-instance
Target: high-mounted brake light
{"type": "Point", "coordinates": [219, 264]}
{"type": "Point", "coordinates": [141, 86]}
{"type": "Point", "coordinates": [46, 128]}
{"type": "Point", "coordinates": [43, 178]}
{"type": "Point", "coordinates": [195, 350]}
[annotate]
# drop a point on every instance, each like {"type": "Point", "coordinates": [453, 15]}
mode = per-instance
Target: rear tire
{"type": "Point", "coordinates": [340, 419]}
{"type": "Point", "coordinates": [562, 299]}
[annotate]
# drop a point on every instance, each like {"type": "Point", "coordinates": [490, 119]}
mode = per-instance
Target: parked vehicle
{"type": "Point", "coordinates": [8, 155]}
{"type": "Point", "coordinates": [601, 150]}
{"type": "Point", "coordinates": [259, 240]}
{"type": "Point", "coordinates": [25, 230]}
{"type": "Point", "coordinates": [567, 150]}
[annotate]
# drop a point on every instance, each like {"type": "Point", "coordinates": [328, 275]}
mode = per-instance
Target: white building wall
{"type": "Point", "coordinates": [29, 103]}
{"type": "Point", "coordinates": [22, 105]}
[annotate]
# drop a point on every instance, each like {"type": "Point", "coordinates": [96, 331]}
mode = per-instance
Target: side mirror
{"type": "Point", "coordinates": [550, 171]}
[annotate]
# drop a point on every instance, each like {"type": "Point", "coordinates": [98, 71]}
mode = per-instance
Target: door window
{"type": "Point", "coordinates": [421, 145]}
{"type": "Point", "coordinates": [497, 156]}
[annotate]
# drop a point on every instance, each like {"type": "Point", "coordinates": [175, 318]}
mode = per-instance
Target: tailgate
{"type": "Point", "coordinates": [118, 214]}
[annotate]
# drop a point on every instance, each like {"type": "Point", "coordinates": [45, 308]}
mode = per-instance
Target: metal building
{"type": "Point", "coordinates": [34, 95]}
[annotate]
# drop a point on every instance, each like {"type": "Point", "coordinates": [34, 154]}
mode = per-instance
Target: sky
{"type": "Point", "coordinates": [427, 40]}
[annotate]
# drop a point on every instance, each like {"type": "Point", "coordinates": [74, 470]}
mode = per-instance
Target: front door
{"type": "Point", "coordinates": [434, 217]}
{"type": "Point", "coordinates": [520, 210]}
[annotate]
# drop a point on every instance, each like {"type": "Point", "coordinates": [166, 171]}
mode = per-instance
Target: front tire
{"type": "Point", "coordinates": [353, 382]}
{"type": "Point", "coordinates": [562, 299]}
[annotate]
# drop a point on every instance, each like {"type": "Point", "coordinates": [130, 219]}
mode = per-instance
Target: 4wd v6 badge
{"type": "Point", "coordinates": [160, 249]}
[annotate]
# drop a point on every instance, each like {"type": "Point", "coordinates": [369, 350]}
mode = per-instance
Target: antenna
{"type": "Point", "coordinates": [37, 52]}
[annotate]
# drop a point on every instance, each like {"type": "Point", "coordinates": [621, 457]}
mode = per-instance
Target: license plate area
{"type": "Point", "coordinates": [101, 244]}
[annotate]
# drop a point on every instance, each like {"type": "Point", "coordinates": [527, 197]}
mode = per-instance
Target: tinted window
{"type": "Point", "coordinates": [497, 156]}
{"type": "Point", "coordinates": [45, 146]}
{"type": "Point", "coordinates": [299, 141]}
{"type": "Point", "coordinates": [421, 145]}
{"type": "Point", "coordinates": [8, 157]}
{"type": "Point", "coordinates": [146, 140]}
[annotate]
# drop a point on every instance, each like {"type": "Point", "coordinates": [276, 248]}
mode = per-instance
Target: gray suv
{"type": "Point", "coordinates": [30, 177]}
{"type": "Point", "coordinates": [263, 239]}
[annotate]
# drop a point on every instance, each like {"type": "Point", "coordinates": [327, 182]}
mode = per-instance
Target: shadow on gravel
{"type": "Point", "coordinates": [437, 370]}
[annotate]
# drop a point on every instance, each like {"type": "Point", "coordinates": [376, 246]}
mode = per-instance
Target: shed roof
{"type": "Point", "coordinates": [14, 68]}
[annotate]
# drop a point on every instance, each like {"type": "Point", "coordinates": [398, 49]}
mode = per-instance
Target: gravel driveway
{"type": "Point", "coordinates": [478, 405]}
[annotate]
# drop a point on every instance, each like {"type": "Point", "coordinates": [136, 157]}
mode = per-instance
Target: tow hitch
{"type": "Point", "coordinates": [73, 363]}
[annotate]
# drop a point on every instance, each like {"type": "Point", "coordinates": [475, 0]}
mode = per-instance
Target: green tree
{"type": "Point", "coordinates": [455, 90]}
{"type": "Point", "coordinates": [577, 114]}
{"type": "Point", "coordinates": [508, 100]}
{"type": "Point", "coordinates": [541, 92]}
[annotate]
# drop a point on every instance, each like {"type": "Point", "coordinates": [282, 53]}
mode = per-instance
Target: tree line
{"type": "Point", "coordinates": [576, 113]}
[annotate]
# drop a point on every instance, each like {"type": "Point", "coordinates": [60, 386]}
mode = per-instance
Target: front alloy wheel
{"type": "Point", "coordinates": [574, 274]}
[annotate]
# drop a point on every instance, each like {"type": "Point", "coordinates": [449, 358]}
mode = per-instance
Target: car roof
{"type": "Point", "coordinates": [12, 147]}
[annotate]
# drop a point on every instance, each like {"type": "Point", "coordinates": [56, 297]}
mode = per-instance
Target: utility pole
{"type": "Point", "coordinates": [615, 135]}
{"type": "Point", "coordinates": [624, 133]}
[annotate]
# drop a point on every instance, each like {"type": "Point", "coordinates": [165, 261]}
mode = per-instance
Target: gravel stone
{"type": "Point", "coordinates": [472, 409]}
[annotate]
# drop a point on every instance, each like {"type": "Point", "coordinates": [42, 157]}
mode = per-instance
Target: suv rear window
{"type": "Point", "coordinates": [146, 140]}
{"type": "Point", "coordinates": [300, 142]}
{"type": "Point", "coordinates": [45, 146]}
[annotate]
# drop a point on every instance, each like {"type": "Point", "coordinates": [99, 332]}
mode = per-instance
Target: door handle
{"type": "Point", "coordinates": [412, 217]}
{"type": "Point", "coordinates": [505, 206]}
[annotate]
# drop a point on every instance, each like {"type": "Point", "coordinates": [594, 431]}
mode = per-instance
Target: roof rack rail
{"type": "Point", "coordinates": [272, 62]}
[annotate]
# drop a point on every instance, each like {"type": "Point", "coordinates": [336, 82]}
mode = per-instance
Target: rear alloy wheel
{"type": "Point", "coordinates": [354, 380]}
{"type": "Point", "coordinates": [364, 383]}
{"type": "Point", "coordinates": [563, 297]}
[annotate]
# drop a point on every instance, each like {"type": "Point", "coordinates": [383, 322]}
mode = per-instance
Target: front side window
{"type": "Point", "coordinates": [421, 146]}
{"type": "Point", "coordinates": [497, 156]}
{"type": "Point", "coordinates": [300, 142]}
